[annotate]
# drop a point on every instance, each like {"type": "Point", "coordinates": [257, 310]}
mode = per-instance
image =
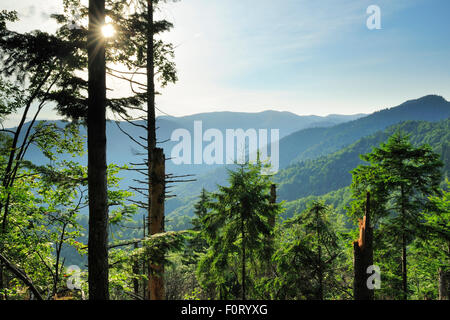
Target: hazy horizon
{"type": "Point", "coordinates": [320, 59]}
{"type": "Point", "coordinates": [12, 122]}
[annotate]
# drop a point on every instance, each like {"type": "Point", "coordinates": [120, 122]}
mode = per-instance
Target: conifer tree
{"type": "Point", "coordinates": [239, 222]}
{"type": "Point", "coordinates": [401, 177]}
{"type": "Point", "coordinates": [309, 247]}
{"type": "Point", "coordinates": [197, 243]}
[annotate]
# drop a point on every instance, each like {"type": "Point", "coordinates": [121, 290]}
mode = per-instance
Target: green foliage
{"type": "Point", "coordinates": [38, 68]}
{"type": "Point", "coordinates": [309, 255]}
{"type": "Point", "coordinates": [43, 204]}
{"type": "Point", "coordinates": [332, 172]}
{"type": "Point", "coordinates": [338, 199]}
{"type": "Point", "coordinates": [237, 247]}
{"type": "Point", "coordinates": [313, 143]}
{"type": "Point", "coordinates": [430, 252]}
{"type": "Point", "coordinates": [238, 230]}
{"type": "Point", "coordinates": [196, 244]}
{"type": "Point", "coordinates": [400, 179]}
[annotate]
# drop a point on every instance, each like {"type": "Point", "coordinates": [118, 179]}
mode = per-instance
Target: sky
{"type": "Point", "coordinates": [303, 56]}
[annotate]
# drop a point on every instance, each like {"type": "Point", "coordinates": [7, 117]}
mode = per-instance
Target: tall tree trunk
{"type": "Point", "coordinates": [97, 179]}
{"type": "Point", "coordinates": [151, 118]}
{"type": "Point", "coordinates": [151, 127]}
{"type": "Point", "coordinates": [156, 222]}
{"type": "Point", "coordinates": [156, 167]}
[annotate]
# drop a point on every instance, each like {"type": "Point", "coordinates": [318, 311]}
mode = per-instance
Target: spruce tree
{"type": "Point", "coordinates": [239, 223]}
{"type": "Point", "coordinates": [309, 247]}
{"type": "Point", "coordinates": [196, 243]}
{"type": "Point", "coordinates": [401, 177]}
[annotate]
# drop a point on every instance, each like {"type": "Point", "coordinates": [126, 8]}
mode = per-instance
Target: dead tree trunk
{"type": "Point", "coordinates": [156, 166]}
{"type": "Point", "coordinates": [363, 257]}
{"type": "Point", "coordinates": [156, 222]}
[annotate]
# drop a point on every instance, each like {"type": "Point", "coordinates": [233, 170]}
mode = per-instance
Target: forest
{"type": "Point", "coordinates": [92, 209]}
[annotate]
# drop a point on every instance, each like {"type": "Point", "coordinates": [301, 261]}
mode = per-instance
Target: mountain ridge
{"type": "Point", "coordinates": [313, 142]}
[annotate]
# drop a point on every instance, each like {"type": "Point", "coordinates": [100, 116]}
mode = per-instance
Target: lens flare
{"type": "Point", "coordinates": [108, 31]}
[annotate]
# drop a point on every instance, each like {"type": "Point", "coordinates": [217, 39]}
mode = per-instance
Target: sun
{"type": "Point", "coordinates": [108, 31]}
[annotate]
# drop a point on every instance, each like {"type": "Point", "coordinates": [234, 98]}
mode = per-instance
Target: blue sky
{"type": "Point", "coordinates": [304, 56]}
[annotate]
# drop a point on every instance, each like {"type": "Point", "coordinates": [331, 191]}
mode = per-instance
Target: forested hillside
{"type": "Point", "coordinates": [301, 178]}
{"type": "Point", "coordinates": [311, 143]}
{"type": "Point", "coordinates": [314, 142]}
{"type": "Point", "coordinates": [332, 172]}
{"type": "Point", "coordinates": [324, 174]}
{"type": "Point", "coordinates": [122, 150]}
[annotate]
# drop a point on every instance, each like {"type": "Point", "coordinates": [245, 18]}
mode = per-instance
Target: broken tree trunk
{"type": "Point", "coordinates": [363, 257]}
{"type": "Point", "coordinates": [156, 222]}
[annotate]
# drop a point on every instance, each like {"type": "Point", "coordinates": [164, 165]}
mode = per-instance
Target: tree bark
{"type": "Point", "coordinates": [156, 222]}
{"type": "Point", "coordinates": [151, 117]}
{"type": "Point", "coordinates": [156, 165]}
{"type": "Point", "coordinates": [97, 168]}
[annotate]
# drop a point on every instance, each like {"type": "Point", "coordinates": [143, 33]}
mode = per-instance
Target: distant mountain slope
{"type": "Point", "coordinates": [332, 172]}
{"type": "Point", "coordinates": [121, 150]}
{"type": "Point", "coordinates": [286, 122]}
{"type": "Point", "coordinates": [314, 142]}
{"type": "Point", "coordinates": [338, 199]}
{"type": "Point", "coordinates": [303, 178]}
{"type": "Point", "coordinates": [326, 177]}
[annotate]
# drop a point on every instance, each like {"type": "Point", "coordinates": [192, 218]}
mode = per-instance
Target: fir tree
{"type": "Point", "coordinates": [238, 224]}
{"type": "Point", "coordinates": [401, 178]}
